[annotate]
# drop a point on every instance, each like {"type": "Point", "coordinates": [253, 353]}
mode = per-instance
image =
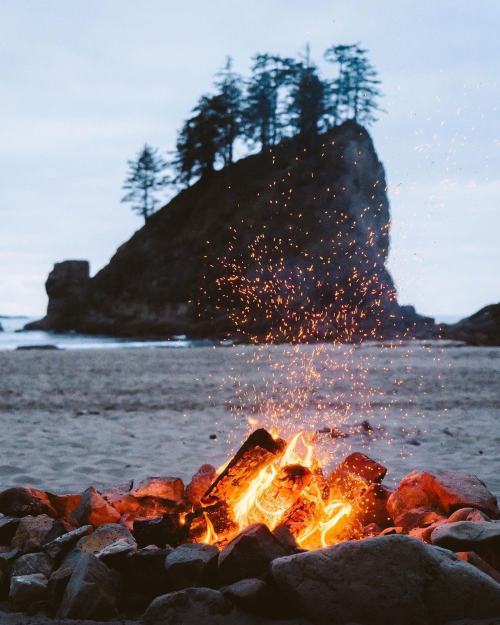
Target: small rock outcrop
{"type": "Point", "coordinates": [481, 328]}
{"type": "Point", "coordinates": [323, 213]}
{"type": "Point", "coordinates": [66, 287]}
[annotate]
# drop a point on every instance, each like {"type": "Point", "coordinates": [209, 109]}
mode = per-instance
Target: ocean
{"type": "Point", "coordinates": [14, 337]}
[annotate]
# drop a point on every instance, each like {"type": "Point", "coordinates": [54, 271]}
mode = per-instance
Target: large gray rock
{"type": "Point", "coordinates": [63, 544]}
{"type": "Point", "coordinates": [33, 532]}
{"type": "Point", "coordinates": [32, 563]}
{"type": "Point", "coordinates": [389, 579]}
{"type": "Point", "coordinates": [60, 577]}
{"type": "Point", "coordinates": [482, 537]}
{"type": "Point", "coordinates": [256, 596]}
{"type": "Point", "coordinates": [104, 537]}
{"type": "Point", "coordinates": [92, 591]}
{"type": "Point", "coordinates": [249, 554]}
{"type": "Point", "coordinates": [146, 572]}
{"type": "Point", "coordinates": [191, 565]}
{"type": "Point", "coordinates": [202, 606]}
{"type": "Point", "coordinates": [27, 591]}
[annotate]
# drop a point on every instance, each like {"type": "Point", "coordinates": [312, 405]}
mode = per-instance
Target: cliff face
{"type": "Point", "coordinates": [325, 207]}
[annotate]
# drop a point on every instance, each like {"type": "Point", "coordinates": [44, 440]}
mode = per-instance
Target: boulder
{"type": "Point", "coordinates": [371, 505]}
{"type": "Point", "coordinates": [195, 606]}
{"type": "Point", "coordinates": [146, 570]}
{"type": "Point", "coordinates": [94, 510]}
{"type": "Point", "coordinates": [419, 518]}
{"type": "Point", "coordinates": [104, 537]}
{"type": "Point", "coordinates": [32, 563]}
{"type": "Point", "coordinates": [256, 596]}
{"type": "Point", "coordinates": [482, 537]}
{"type": "Point", "coordinates": [63, 544]}
{"type": "Point", "coordinates": [171, 488]}
{"type": "Point", "coordinates": [61, 576]}
{"type": "Point", "coordinates": [249, 554]}
{"type": "Point", "coordinates": [8, 527]}
{"type": "Point", "coordinates": [65, 505]}
{"type": "Point", "coordinates": [160, 531]}
{"type": "Point", "coordinates": [33, 532]}
{"type": "Point", "coordinates": [478, 562]}
{"type": "Point", "coordinates": [191, 564]}
{"type": "Point", "coordinates": [386, 579]}
{"type": "Point", "coordinates": [442, 491]}
{"type": "Point", "coordinates": [27, 591]}
{"type": "Point", "coordinates": [92, 591]}
{"type": "Point", "coordinates": [7, 558]}
{"type": "Point", "coordinates": [356, 466]}
{"type": "Point", "coordinates": [199, 483]}
{"type": "Point", "coordinates": [467, 514]}
{"type": "Point", "coordinates": [19, 502]}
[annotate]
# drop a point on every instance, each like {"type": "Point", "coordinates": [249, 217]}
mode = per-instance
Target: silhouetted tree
{"type": "Point", "coordinates": [353, 94]}
{"type": "Point", "coordinates": [144, 180]}
{"type": "Point", "coordinates": [199, 140]}
{"type": "Point", "coordinates": [262, 122]}
{"type": "Point", "coordinates": [306, 105]}
{"type": "Point", "coordinates": [228, 101]}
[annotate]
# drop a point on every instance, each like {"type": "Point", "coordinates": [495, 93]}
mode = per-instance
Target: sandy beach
{"type": "Point", "coordinates": [69, 419]}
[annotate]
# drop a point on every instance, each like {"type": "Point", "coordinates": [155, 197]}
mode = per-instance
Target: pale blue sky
{"type": "Point", "coordinates": [86, 82]}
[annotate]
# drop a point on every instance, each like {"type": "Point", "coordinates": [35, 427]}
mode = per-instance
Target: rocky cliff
{"type": "Point", "coordinates": [313, 223]}
{"type": "Point", "coordinates": [481, 328]}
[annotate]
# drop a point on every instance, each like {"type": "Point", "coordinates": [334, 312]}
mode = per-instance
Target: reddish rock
{"type": "Point", "coordinates": [442, 491]}
{"type": "Point", "coordinates": [132, 508]}
{"type": "Point", "coordinates": [171, 488]}
{"type": "Point", "coordinates": [371, 506]}
{"type": "Point", "coordinates": [19, 502]}
{"type": "Point", "coordinates": [472, 558]}
{"type": "Point", "coordinates": [200, 482]}
{"type": "Point", "coordinates": [35, 531]}
{"type": "Point", "coordinates": [356, 466]}
{"type": "Point", "coordinates": [419, 518]}
{"type": "Point", "coordinates": [94, 510]}
{"type": "Point", "coordinates": [65, 505]}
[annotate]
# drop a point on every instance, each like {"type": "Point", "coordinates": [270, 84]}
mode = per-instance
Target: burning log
{"type": "Point", "coordinates": [299, 516]}
{"type": "Point", "coordinates": [210, 524]}
{"type": "Point", "coordinates": [280, 495]}
{"type": "Point", "coordinates": [257, 452]}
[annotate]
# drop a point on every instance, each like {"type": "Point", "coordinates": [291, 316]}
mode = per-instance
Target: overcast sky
{"type": "Point", "coordinates": [86, 82]}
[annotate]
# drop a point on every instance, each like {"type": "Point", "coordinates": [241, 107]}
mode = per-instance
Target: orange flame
{"type": "Point", "coordinates": [261, 504]}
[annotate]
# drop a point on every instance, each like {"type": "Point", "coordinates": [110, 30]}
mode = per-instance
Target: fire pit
{"type": "Point", "coordinates": [263, 534]}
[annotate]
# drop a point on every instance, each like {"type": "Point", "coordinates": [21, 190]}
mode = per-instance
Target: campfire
{"type": "Point", "coordinates": [283, 486]}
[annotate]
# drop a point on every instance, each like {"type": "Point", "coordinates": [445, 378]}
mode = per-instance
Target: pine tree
{"type": "Point", "coordinates": [306, 105]}
{"type": "Point", "coordinates": [144, 180]}
{"type": "Point", "coordinates": [261, 112]}
{"type": "Point", "coordinates": [364, 84]}
{"type": "Point", "coordinates": [229, 103]}
{"type": "Point", "coordinates": [354, 92]}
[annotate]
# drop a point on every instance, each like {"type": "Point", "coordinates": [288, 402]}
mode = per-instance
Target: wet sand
{"type": "Point", "coordinates": [69, 419]}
